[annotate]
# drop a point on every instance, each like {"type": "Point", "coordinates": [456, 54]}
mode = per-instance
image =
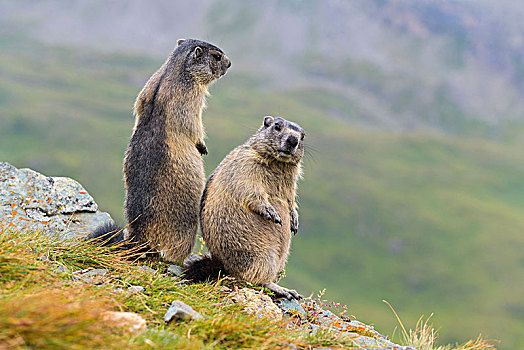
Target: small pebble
{"type": "Point", "coordinates": [181, 311]}
{"type": "Point", "coordinates": [135, 289]}
{"type": "Point", "coordinates": [60, 269]}
{"type": "Point", "coordinates": [175, 270]}
{"type": "Point", "coordinates": [95, 273]}
{"type": "Point", "coordinates": [146, 269]}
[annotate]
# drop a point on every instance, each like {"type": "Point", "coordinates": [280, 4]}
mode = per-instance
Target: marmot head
{"type": "Point", "coordinates": [282, 140]}
{"type": "Point", "coordinates": [204, 61]}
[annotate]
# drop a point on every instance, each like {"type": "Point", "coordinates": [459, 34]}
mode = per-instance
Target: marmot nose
{"type": "Point", "coordinates": [292, 141]}
{"type": "Point", "coordinates": [228, 63]}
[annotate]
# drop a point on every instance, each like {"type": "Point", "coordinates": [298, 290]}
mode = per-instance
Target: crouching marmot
{"type": "Point", "coordinates": [248, 209]}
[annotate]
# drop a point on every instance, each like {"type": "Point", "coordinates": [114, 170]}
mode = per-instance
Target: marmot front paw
{"type": "Point", "coordinates": [201, 147]}
{"type": "Point", "coordinates": [293, 215]}
{"type": "Point", "coordinates": [281, 291]}
{"type": "Point", "coordinates": [271, 214]}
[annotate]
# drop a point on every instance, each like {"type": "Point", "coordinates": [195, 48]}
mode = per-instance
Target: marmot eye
{"type": "Point", "coordinates": [302, 137]}
{"type": "Point", "coordinates": [217, 57]}
{"type": "Point", "coordinates": [278, 127]}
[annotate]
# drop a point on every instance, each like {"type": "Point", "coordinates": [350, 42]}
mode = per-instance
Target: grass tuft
{"type": "Point", "coordinates": [65, 318]}
{"type": "Point", "coordinates": [424, 336]}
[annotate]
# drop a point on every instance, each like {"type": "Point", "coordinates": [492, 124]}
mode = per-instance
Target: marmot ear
{"type": "Point", "coordinates": [198, 51]}
{"type": "Point", "coordinates": [180, 41]}
{"type": "Point", "coordinates": [268, 120]}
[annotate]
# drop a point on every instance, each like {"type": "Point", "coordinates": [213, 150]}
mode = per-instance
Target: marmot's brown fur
{"type": "Point", "coordinates": [248, 209]}
{"type": "Point", "coordinates": [163, 168]}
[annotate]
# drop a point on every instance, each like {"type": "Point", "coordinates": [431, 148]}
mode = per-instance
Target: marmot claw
{"type": "Point", "coordinates": [293, 215]}
{"type": "Point", "coordinates": [284, 292]}
{"type": "Point", "coordinates": [272, 215]}
{"type": "Point", "coordinates": [201, 147]}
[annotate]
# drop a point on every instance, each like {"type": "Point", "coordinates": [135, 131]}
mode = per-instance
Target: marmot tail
{"type": "Point", "coordinates": [110, 234]}
{"type": "Point", "coordinates": [203, 269]}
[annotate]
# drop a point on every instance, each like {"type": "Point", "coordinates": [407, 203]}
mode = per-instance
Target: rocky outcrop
{"type": "Point", "coordinates": [312, 317]}
{"type": "Point", "coordinates": [57, 206]}
{"type": "Point", "coordinates": [256, 303]}
{"type": "Point", "coordinates": [307, 316]}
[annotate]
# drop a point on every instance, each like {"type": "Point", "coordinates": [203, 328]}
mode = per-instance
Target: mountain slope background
{"type": "Point", "coordinates": [414, 186]}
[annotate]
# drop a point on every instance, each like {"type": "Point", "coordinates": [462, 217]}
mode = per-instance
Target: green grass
{"type": "Point", "coordinates": [428, 221]}
{"type": "Point", "coordinates": [43, 305]}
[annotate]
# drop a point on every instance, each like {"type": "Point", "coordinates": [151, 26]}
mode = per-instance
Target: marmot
{"type": "Point", "coordinates": [163, 168]}
{"type": "Point", "coordinates": [248, 209]}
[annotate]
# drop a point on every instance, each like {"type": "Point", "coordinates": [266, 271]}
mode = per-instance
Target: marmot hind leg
{"type": "Point", "coordinates": [177, 252]}
{"type": "Point", "coordinates": [250, 266]}
{"type": "Point", "coordinates": [260, 269]}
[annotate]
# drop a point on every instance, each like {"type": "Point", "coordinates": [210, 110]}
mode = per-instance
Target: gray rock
{"type": "Point", "coordinates": [60, 270]}
{"type": "Point", "coordinates": [135, 289]}
{"type": "Point", "coordinates": [96, 276]}
{"type": "Point", "coordinates": [178, 282]}
{"type": "Point", "coordinates": [175, 270]}
{"type": "Point", "coordinates": [193, 258]}
{"type": "Point", "coordinates": [291, 306]}
{"type": "Point", "coordinates": [181, 311]}
{"type": "Point", "coordinates": [95, 273]}
{"type": "Point", "coordinates": [318, 318]}
{"type": "Point", "coordinates": [146, 269]}
{"type": "Point", "coordinates": [56, 206]}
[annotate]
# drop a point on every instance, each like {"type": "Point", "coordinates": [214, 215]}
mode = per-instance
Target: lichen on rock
{"type": "Point", "coordinates": [256, 303]}
{"type": "Point", "coordinates": [314, 317]}
{"type": "Point", "coordinates": [57, 206]}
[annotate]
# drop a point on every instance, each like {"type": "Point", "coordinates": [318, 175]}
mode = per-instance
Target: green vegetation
{"type": "Point", "coordinates": [428, 221]}
{"type": "Point", "coordinates": [44, 305]}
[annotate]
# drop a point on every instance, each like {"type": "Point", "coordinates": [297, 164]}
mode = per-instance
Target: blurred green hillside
{"type": "Point", "coordinates": [428, 220]}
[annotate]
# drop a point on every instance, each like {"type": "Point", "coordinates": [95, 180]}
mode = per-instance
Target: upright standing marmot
{"type": "Point", "coordinates": [163, 169]}
{"type": "Point", "coordinates": [248, 209]}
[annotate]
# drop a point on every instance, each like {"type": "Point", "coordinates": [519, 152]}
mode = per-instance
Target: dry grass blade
{"type": "Point", "coordinates": [424, 337]}
{"type": "Point", "coordinates": [67, 318]}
